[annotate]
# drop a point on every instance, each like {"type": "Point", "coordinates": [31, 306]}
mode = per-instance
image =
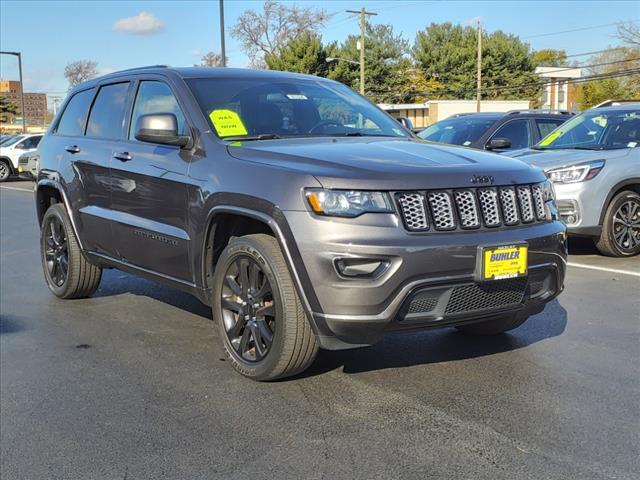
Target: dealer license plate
{"type": "Point", "coordinates": [509, 261]}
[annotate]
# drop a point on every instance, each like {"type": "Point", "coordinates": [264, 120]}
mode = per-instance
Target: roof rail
{"type": "Point", "coordinates": [141, 68]}
{"type": "Point", "coordinates": [540, 110]}
{"type": "Point", "coordinates": [614, 103]}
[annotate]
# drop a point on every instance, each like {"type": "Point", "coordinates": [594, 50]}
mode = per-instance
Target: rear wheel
{"type": "Point", "coordinates": [494, 326]}
{"type": "Point", "coordinates": [66, 270]}
{"type": "Point", "coordinates": [262, 324]}
{"type": "Point", "coordinates": [621, 229]}
{"type": "Point", "coordinates": [5, 170]}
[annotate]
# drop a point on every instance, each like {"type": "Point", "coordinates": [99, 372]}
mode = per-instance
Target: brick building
{"type": "Point", "coordinates": [35, 104]}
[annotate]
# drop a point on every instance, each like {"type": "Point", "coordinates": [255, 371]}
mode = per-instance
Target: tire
{"type": "Point", "coordinates": [81, 278]}
{"type": "Point", "coordinates": [272, 309]}
{"type": "Point", "coordinates": [494, 326]}
{"type": "Point", "coordinates": [5, 170]}
{"type": "Point", "coordinates": [620, 235]}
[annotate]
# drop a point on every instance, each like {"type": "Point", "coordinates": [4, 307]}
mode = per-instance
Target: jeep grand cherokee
{"type": "Point", "coordinates": [302, 214]}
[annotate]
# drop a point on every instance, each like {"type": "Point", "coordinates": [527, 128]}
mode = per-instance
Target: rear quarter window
{"type": "Point", "coordinates": [74, 117]}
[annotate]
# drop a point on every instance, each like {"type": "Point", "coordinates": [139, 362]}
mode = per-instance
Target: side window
{"type": "Point", "coordinates": [517, 131]}
{"type": "Point", "coordinates": [29, 143]}
{"type": "Point", "coordinates": [546, 126]}
{"type": "Point", "coordinates": [155, 97]}
{"type": "Point", "coordinates": [74, 116]}
{"type": "Point", "coordinates": [105, 119]}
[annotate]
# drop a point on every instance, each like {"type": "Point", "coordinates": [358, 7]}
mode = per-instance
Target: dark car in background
{"type": "Point", "coordinates": [496, 131]}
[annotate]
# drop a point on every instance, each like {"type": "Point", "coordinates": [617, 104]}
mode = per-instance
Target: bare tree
{"type": "Point", "coordinates": [629, 33]}
{"type": "Point", "coordinates": [265, 33]}
{"type": "Point", "coordinates": [79, 71]}
{"type": "Point", "coordinates": [211, 59]}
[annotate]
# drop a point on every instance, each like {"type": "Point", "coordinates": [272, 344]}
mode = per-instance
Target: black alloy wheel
{"type": "Point", "coordinates": [626, 225]}
{"type": "Point", "coordinates": [248, 309]}
{"type": "Point", "coordinates": [56, 251]}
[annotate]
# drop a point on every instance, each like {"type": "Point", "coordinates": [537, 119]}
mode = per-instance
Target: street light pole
{"type": "Point", "coordinates": [222, 46]}
{"type": "Point", "coordinates": [24, 114]}
{"type": "Point", "coordinates": [478, 93]}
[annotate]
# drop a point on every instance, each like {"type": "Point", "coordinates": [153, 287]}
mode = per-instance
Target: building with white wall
{"type": "Point", "coordinates": [558, 94]}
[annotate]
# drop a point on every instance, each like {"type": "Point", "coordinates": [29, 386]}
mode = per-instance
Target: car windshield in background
{"type": "Point", "coordinates": [457, 131]}
{"type": "Point", "coordinates": [260, 109]}
{"type": "Point", "coordinates": [596, 130]}
{"type": "Point", "coordinates": [7, 142]}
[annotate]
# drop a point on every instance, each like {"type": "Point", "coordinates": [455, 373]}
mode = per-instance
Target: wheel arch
{"type": "Point", "coordinates": [627, 184]}
{"type": "Point", "coordinates": [225, 220]}
{"type": "Point", "coordinates": [48, 192]}
{"type": "Point", "coordinates": [9, 163]}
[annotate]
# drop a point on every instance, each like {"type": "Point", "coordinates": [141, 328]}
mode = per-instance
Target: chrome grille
{"type": "Point", "coordinates": [467, 208]}
{"type": "Point", "coordinates": [539, 202]}
{"type": "Point", "coordinates": [489, 204]}
{"type": "Point", "coordinates": [472, 208]}
{"type": "Point", "coordinates": [509, 203]}
{"type": "Point", "coordinates": [413, 211]}
{"type": "Point", "coordinates": [442, 210]}
{"type": "Point", "coordinates": [526, 204]}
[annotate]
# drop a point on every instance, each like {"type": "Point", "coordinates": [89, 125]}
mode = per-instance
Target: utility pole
{"type": "Point", "coordinates": [363, 26]}
{"type": "Point", "coordinates": [478, 95]}
{"type": "Point", "coordinates": [24, 114]}
{"type": "Point", "coordinates": [222, 47]}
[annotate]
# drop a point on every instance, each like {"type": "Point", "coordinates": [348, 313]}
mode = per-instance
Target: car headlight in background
{"type": "Point", "coordinates": [576, 173]}
{"type": "Point", "coordinates": [348, 203]}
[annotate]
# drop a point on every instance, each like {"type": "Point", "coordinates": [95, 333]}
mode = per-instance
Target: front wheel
{"type": "Point", "coordinates": [263, 326]}
{"type": "Point", "coordinates": [66, 270]}
{"type": "Point", "coordinates": [620, 235]}
{"type": "Point", "coordinates": [5, 170]}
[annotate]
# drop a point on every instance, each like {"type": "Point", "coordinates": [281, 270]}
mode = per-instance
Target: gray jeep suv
{"type": "Point", "coordinates": [304, 215]}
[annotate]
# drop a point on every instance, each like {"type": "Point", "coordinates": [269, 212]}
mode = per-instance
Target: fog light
{"type": "Point", "coordinates": [361, 267]}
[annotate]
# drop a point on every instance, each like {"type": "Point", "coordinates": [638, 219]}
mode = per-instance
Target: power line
{"type": "Point", "coordinates": [594, 52]}
{"type": "Point", "coordinates": [564, 69]}
{"type": "Point", "coordinates": [593, 27]}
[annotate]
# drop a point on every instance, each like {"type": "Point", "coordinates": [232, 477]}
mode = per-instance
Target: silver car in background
{"type": "Point", "coordinates": [593, 161]}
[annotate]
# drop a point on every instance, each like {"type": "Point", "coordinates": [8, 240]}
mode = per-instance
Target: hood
{"type": "Point", "coordinates": [550, 159]}
{"type": "Point", "coordinates": [384, 163]}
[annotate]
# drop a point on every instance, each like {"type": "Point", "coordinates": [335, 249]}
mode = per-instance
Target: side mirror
{"type": "Point", "coordinates": [404, 121]}
{"type": "Point", "coordinates": [498, 143]}
{"type": "Point", "coordinates": [160, 128]}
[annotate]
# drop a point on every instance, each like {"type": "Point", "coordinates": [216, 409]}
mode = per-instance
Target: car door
{"type": "Point", "coordinates": [149, 191]}
{"type": "Point", "coordinates": [517, 131]}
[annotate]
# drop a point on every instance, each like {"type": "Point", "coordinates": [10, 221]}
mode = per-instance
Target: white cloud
{"type": "Point", "coordinates": [145, 23]}
{"type": "Point", "coordinates": [196, 52]}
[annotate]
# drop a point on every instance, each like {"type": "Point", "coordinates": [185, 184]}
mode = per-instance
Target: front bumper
{"type": "Point", "coordinates": [579, 207]}
{"type": "Point", "coordinates": [422, 275]}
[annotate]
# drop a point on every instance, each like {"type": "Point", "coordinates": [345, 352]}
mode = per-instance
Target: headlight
{"type": "Point", "coordinates": [348, 203]}
{"type": "Point", "coordinates": [576, 173]}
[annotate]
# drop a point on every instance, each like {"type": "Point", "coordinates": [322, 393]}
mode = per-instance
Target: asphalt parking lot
{"type": "Point", "coordinates": [132, 384]}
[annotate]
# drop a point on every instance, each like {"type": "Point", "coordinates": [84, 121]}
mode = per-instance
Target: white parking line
{"type": "Point", "coordinates": [604, 269]}
{"type": "Point", "coordinates": [16, 189]}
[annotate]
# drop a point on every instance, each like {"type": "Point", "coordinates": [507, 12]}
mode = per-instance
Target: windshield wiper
{"type": "Point", "coordinates": [249, 138]}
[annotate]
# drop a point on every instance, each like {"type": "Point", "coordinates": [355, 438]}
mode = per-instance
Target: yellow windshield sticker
{"type": "Point", "coordinates": [550, 138]}
{"type": "Point", "coordinates": [227, 123]}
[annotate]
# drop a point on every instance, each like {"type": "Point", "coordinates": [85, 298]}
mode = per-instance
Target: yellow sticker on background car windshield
{"type": "Point", "coordinates": [550, 138]}
{"type": "Point", "coordinates": [227, 123]}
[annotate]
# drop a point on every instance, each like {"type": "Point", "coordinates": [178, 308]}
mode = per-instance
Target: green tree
{"type": "Point", "coordinates": [383, 61]}
{"type": "Point", "coordinates": [7, 109]}
{"type": "Point", "coordinates": [548, 57]}
{"type": "Point", "coordinates": [447, 53]}
{"type": "Point", "coordinates": [304, 54]}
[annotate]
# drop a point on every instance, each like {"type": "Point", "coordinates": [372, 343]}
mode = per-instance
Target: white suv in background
{"type": "Point", "coordinates": [593, 161]}
{"type": "Point", "coordinates": [12, 148]}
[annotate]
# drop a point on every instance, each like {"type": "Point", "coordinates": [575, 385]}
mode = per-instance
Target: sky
{"type": "Point", "coordinates": [123, 34]}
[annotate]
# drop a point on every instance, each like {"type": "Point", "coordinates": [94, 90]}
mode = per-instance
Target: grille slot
{"type": "Point", "coordinates": [467, 208]}
{"type": "Point", "coordinates": [413, 211]}
{"type": "Point", "coordinates": [526, 204]}
{"type": "Point", "coordinates": [442, 210]}
{"type": "Point", "coordinates": [472, 208]}
{"type": "Point", "coordinates": [539, 202]}
{"type": "Point", "coordinates": [509, 203]}
{"type": "Point", "coordinates": [489, 204]}
{"type": "Point", "coordinates": [422, 304]}
{"type": "Point", "coordinates": [486, 296]}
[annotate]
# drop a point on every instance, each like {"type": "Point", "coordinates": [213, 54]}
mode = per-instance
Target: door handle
{"type": "Point", "coordinates": [72, 148]}
{"type": "Point", "coordinates": [123, 156]}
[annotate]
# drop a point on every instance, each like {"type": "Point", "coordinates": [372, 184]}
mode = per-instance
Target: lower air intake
{"type": "Point", "coordinates": [486, 296]}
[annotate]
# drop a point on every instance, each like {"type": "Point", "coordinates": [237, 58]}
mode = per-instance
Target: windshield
{"type": "Point", "coordinates": [262, 108]}
{"type": "Point", "coordinates": [596, 130]}
{"type": "Point", "coordinates": [457, 131]}
{"type": "Point", "coordinates": [7, 142]}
